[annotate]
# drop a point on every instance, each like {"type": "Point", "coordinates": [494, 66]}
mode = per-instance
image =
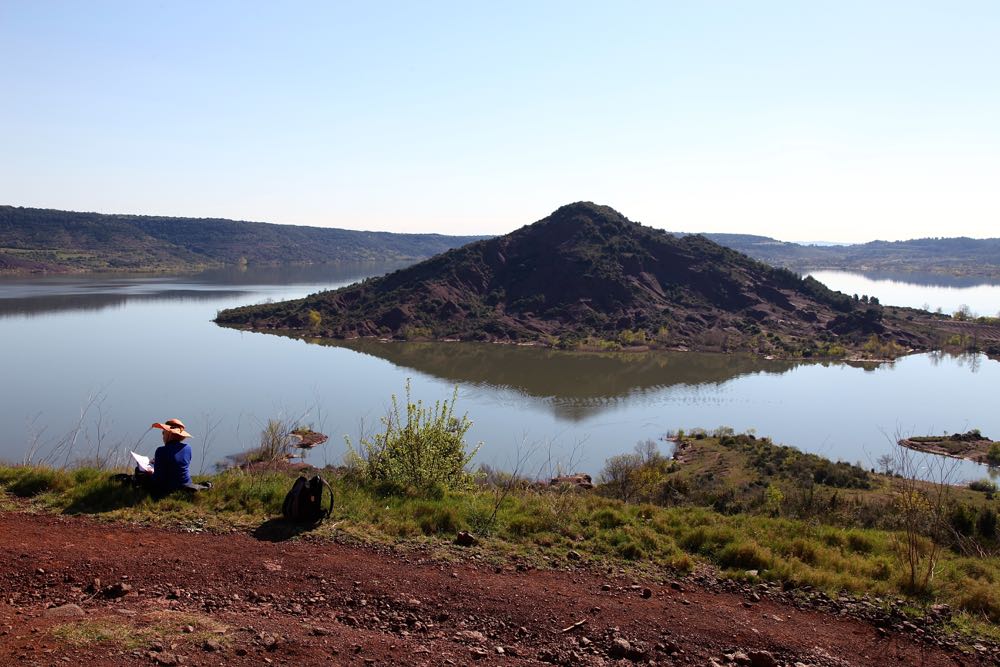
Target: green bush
{"type": "Point", "coordinates": [993, 454]}
{"type": "Point", "coordinates": [983, 486]}
{"type": "Point", "coordinates": [435, 519]}
{"type": "Point", "coordinates": [629, 550]}
{"type": "Point", "coordinates": [986, 523]}
{"type": "Point", "coordinates": [859, 542]}
{"type": "Point", "coordinates": [978, 597]}
{"type": "Point", "coordinates": [804, 550]}
{"type": "Point", "coordinates": [745, 555]}
{"type": "Point", "coordinates": [420, 451]}
{"type": "Point", "coordinates": [608, 518]}
{"type": "Point", "coordinates": [636, 477]}
{"type": "Point", "coordinates": [707, 540]}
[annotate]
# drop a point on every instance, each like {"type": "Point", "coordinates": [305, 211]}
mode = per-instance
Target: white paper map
{"type": "Point", "coordinates": [142, 462]}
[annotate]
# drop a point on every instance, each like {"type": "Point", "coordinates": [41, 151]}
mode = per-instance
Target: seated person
{"type": "Point", "coordinates": [172, 461]}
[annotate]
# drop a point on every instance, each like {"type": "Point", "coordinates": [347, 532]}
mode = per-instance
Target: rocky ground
{"type": "Point", "coordinates": [76, 591]}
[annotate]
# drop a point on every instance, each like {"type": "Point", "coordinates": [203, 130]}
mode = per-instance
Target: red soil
{"type": "Point", "coordinates": [308, 602]}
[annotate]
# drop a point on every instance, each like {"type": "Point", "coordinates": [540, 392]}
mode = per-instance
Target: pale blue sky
{"type": "Point", "coordinates": [838, 121]}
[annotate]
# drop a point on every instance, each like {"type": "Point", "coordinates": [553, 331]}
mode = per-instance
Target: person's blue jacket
{"type": "Point", "coordinates": [171, 466]}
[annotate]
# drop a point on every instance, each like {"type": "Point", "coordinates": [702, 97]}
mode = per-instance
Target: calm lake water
{"type": "Point", "coordinates": [915, 290]}
{"type": "Point", "coordinates": [113, 354]}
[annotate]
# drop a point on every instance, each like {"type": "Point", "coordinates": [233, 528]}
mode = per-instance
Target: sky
{"type": "Point", "coordinates": [820, 121]}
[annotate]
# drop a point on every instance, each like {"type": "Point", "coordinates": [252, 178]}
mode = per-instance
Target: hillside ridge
{"type": "Point", "coordinates": [46, 240]}
{"type": "Point", "coordinates": [946, 256]}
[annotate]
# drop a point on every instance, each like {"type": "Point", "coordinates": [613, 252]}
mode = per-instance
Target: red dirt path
{"type": "Point", "coordinates": [307, 602]}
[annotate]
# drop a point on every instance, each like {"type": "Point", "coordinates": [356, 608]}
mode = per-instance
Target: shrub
{"type": "Point", "coordinates": [986, 524]}
{"type": "Point", "coordinates": [275, 442]}
{"type": "Point", "coordinates": [422, 450]}
{"type": "Point", "coordinates": [993, 454]}
{"type": "Point", "coordinates": [977, 597]}
{"type": "Point", "coordinates": [707, 540]}
{"type": "Point", "coordinates": [434, 519]}
{"type": "Point", "coordinates": [629, 550]}
{"type": "Point", "coordinates": [745, 555]}
{"type": "Point", "coordinates": [608, 518]}
{"type": "Point", "coordinates": [859, 543]}
{"type": "Point", "coordinates": [637, 476]}
{"type": "Point", "coordinates": [804, 550]}
{"type": "Point", "coordinates": [962, 519]}
{"type": "Point", "coordinates": [983, 486]}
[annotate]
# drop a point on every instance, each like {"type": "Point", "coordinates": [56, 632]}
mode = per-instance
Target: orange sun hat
{"type": "Point", "coordinates": [175, 426]}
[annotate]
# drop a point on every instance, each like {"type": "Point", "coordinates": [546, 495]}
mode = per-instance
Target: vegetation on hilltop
{"type": "Point", "coordinates": [587, 277]}
{"type": "Point", "coordinates": [36, 240]}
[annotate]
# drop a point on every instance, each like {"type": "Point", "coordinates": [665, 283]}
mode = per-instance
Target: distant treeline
{"type": "Point", "coordinates": [33, 240]}
{"type": "Point", "coordinates": [952, 256]}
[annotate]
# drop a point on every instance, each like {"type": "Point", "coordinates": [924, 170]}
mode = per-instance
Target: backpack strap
{"type": "Point", "coordinates": [330, 489]}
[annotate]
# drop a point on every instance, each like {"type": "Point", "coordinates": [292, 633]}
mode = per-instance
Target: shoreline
{"type": "Point", "coordinates": [300, 334]}
{"type": "Point", "coordinates": [977, 452]}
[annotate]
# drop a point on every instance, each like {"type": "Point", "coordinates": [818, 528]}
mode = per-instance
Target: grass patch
{"type": "Point", "coordinates": [184, 627]}
{"type": "Point", "coordinates": [101, 631]}
{"type": "Point", "coordinates": [539, 524]}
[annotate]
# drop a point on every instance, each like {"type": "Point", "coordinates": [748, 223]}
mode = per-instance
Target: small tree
{"type": "Point", "coordinates": [637, 476]}
{"type": "Point", "coordinates": [993, 454]}
{"type": "Point", "coordinates": [773, 499]}
{"type": "Point", "coordinates": [418, 451]}
{"type": "Point", "coordinates": [921, 495]}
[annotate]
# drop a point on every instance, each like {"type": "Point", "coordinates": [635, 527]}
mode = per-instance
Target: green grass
{"type": "Point", "coordinates": [540, 524]}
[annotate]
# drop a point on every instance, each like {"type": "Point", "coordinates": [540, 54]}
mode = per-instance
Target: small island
{"type": "Point", "coordinates": [970, 446]}
{"type": "Point", "coordinates": [587, 278]}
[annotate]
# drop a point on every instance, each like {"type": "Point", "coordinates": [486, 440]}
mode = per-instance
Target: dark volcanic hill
{"type": "Point", "coordinates": [37, 240]}
{"type": "Point", "coordinates": [587, 276]}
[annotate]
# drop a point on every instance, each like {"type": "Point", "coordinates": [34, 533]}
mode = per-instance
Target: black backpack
{"type": "Point", "coordinates": [305, 501]}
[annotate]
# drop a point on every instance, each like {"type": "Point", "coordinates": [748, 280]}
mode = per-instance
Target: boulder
{"type": "Point", "coordinates": [580, 480]}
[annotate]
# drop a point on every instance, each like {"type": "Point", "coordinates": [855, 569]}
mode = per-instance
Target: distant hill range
{"type": "Point", "coordinates": [951, 256]}
{"type": "Point", "coordinates": [588, 277]}
{"type": "Point", "coordinates": [44, 240]}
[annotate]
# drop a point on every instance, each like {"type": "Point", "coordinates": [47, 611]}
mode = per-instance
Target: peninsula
{"type": "Point", "coordinates": [970, 446]}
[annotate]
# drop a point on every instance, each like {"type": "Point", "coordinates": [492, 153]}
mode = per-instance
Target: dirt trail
{"type": "Point", "coordinates": [200, 599]}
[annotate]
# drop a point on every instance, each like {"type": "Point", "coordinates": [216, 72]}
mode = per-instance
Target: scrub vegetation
{"type": "Point", "coordinates": [749, 507]}
{"type": "Point", "coordinates": [753, 509]}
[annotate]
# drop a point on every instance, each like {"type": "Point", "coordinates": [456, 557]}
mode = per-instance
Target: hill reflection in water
{"type": "Point", "coordinates": [54, 303]}
{"type": "Point", "coordinates": [573, 385]}
{"type": "Point", "coordinates": [32, 296]}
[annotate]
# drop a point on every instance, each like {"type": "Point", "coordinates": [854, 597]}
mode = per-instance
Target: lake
{"type": "Point", "coordinates": [89, 362]}
{"type": "Point", "coordinates": [918, 290]}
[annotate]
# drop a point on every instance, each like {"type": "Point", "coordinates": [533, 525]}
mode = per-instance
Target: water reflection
{"type": "Point", "coordinates": [918, 290]}
{"type": "Point", "coordinates": [231, 382]}
{"type": "Point", "coordinates": [574, 385]}
{"type": "Point", "coordinates": [35, 296]}
{"type": "Point", "coordinates": [915, 278]}
{"type": "Point", "coordinates": [33, 306]}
